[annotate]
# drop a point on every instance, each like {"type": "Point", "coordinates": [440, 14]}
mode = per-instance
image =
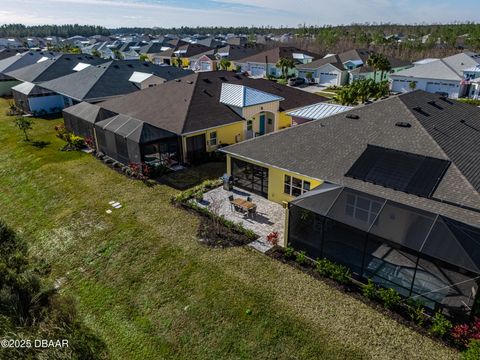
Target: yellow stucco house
{"type": "Point", "coordinates": [196, 115]}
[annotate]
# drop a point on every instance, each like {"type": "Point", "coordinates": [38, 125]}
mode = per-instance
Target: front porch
{"type": "Point", "coordinates": [269, 217]}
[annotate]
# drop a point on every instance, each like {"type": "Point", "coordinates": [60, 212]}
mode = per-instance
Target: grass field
{"type": "Point", "coordinates": [145, 284]}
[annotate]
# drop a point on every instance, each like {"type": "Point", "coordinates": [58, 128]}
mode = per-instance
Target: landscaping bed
{"type": "Point", "coordinates": [214, 230]}
{"type": "Point", "coordinates": [412, 315]}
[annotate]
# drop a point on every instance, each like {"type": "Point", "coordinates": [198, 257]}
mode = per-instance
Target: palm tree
{"type": "Point", "coordinates": [383, 65]}
{"type": "Point", "coordinates": [285, 64]}
{"type": "Point", "coordinates": [178, 62]}
{"type": "Point", "coordinates": [224, 64]}
{"type": "Point", "coordinates": [372, 62]}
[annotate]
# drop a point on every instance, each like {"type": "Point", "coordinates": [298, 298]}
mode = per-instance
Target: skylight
{"type": "Point", "coordinates": [80, 66]}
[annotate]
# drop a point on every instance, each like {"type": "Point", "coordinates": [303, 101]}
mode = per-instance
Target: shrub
{"type": "Point", "coordinates": [370, 290]}
{"type": "Point", "coordinates": [90, 142]}
{"type": "Point", "coordinates": [272, 238]}
{"type": "Point", "coordinates": [461, 334]}
{"type": "Point", "coordinates": [473, 351]}
{"type": "Point", "coordinates": [440, 325]}
{"type": "Point", "coordinates": [334, 271]}
{"type": "Point", "coordinates": [289, 252]}
{"type": "Point", "coordinates": [389, 297]}
{"type": "Point", "coordinates": [301, 258]}
{"type": "Point", "coordinates": [282, 81]}
{"type": "Point", "coordinates": [74, 141]}
{"type": "Point", "coordinates": [189, 194]}
{"type": "Point", "coordinates": [340, 274]}
{"type": "Point", "coordinates": [416, 311]}
{"type": "Point", "coordinates": [324, 267]}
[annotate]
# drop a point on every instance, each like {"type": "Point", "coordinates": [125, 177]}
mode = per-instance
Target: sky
{"type": "Point", "coordinates": [176, 13]}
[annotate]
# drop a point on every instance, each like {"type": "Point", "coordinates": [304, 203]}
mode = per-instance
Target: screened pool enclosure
{"type": "Point", "coordinates": [422, 255]}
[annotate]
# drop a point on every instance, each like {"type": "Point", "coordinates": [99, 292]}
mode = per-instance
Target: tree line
{"type": "Point", "coordinates": [20, 30]}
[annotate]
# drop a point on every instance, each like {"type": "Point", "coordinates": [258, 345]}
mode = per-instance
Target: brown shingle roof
{"type": "Point", "coordinates": [276, 54]}
{"type": "Point", "coordinates": [192, 104]}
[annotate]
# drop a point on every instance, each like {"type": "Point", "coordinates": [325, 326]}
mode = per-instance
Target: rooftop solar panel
{"type": "Point", "coordinates": [399, 170]}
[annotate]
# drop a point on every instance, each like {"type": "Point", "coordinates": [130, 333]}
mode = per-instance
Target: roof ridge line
{"type": "Point", "coordinates": [187, 113]}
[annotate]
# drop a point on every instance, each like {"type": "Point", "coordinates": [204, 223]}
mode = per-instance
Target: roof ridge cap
{"type": "Point", "coordinates": [187, 113]}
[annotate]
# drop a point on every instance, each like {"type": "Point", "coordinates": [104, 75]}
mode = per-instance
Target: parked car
{"type": "Point", "coordinates": [296, 81]}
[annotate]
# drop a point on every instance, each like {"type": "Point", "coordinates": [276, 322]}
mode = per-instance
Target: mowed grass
{"type": "Point", "coordinates": [146, 286]}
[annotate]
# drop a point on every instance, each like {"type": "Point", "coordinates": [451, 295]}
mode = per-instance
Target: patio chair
{"type": "Point", "coordinates": [230, 199]}
{"type": "Point", "coordinates": [252, 211]}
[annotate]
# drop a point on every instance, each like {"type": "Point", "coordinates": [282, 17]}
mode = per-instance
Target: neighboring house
{"type": "Point", "coordinates": [31, 97]}
{"type": "Point", "coordinates": [184, 52]}
{"type": "Point", "coordinates": [11, 43]}
{"type": "Point", "coordinates": [209, 42]}
{"type": "Point", "coordinates": [346, 67]}
{"type": "Point", "coordinates": [204, 62]}
{"type": "Point", "coordinates": [328, 71]}
{"type": "Point", "coordinates": [111, 79]}
{"type": "Point", "coordinates": [264, 63]}
{"type": "Point", "coordinates": [233, 53]}
{"type": "Point", "coordinates": [444, 76]}
{"type": "Point", "coordinates": [154, 49]}
{"type": "Point", "coordinates": [8, 52]}
{"type": "Point", "coordinates": [396, 200]}
{"type": "Point", "coordinates": [203, 111]}
{"type": "Point", "coordinates": [17, 62]}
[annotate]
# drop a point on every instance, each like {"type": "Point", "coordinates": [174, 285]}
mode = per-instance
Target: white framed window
{"type": "Point", "coordinates": [362, 208]}
{"type": "Point", "coordinates": [213, 138]}
{"type": "Point", "coordinates": [294, 186]}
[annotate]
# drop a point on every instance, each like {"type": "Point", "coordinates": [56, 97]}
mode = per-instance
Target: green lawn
{"type": "Point", "coordinates": [147, 287]}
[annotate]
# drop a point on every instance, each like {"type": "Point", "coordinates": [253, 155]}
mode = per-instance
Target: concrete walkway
{"type": "Point", "coordinates": [270, 216]}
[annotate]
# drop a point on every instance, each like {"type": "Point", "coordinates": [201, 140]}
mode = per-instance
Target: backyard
{"type": "Point", "coordinates": [151, 290]}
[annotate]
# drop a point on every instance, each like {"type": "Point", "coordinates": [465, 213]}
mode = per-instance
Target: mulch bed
{"type": "Point", "coordinates": [398, 313]}
{"type": "Point", "coordinates": [219, 235]}
{"type": "Point", "coordinates": [216, 235]}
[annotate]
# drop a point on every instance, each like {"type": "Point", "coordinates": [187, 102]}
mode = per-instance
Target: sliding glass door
{"type": "Point", "coordinates": [250, 177]}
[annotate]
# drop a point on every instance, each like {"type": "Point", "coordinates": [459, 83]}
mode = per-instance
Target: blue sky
{"type": "Point", "coordinates": [168, 13]}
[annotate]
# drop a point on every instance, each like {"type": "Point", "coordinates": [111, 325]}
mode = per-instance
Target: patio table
{"type": "Point", "coordinates": [243, 204]}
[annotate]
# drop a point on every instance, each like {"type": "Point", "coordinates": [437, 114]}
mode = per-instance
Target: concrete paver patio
{"type": "Point", "coordinates": [270, 216]}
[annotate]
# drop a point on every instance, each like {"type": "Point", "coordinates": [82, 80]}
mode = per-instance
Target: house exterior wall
{"type": "Point", "coordinates": [378, 75]}
{"type": "Point", "coordinates": [342, 76]}
{"type": "Point", "coordinates": [276, 179]}
{"type": "Point", "coordinates": [284, 120]}
{"type": "Point", "coordinates": [226, 135]}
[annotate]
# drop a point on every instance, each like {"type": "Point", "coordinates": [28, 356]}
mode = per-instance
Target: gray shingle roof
{"type": "Point", "coordinates": [21, 60]}
{"type": "Point", "coordinates": [449, 68]}
{"type": "Point", "coordinates": [110, 79]}
{"type": "Point", "coordinates": [52, 68]}
{"type": "Point", "coordinates": [326, 149]}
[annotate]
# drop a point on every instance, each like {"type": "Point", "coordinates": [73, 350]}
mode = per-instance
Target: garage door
{"type": "Point", "coordinates": [328, 79]}
{"type": "Point", "coordinates": [256, 70]}
{"type": "Point", "coordinates": [205, 66]}
{"type": "Point", "coordinates": [437, 87]}
{"type": "Point", "coordinates": [399, 85]}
